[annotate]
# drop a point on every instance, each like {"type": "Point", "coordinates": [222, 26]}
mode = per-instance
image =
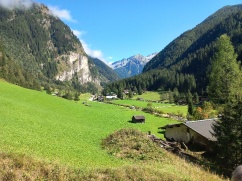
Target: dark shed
{"type": "Point", "coordinates": [138, 119]}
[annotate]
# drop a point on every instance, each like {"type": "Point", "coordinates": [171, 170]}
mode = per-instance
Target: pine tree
{"type": "Point", "coordinates": [139, 90]}
{"type": "Point", "coordinates": [225, 74]}
{"type": "Point", "coordinates": [130, 93]}
{"type": "Point", "coordinates": [190, 103]}
{"type": "Point", "coordinates": [228, 132]}
{"type": "Point", "coordinates": [120, 94]}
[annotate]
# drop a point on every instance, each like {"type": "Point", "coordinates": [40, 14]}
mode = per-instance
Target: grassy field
{"type": "Point", "coordinates": [65, 131]}
{"type": "Point", "coordinates": [148, 95]}
{"type": "Point", "coordinates": [45, 137]}
{"type": "Point", "coordinates": [166, 108]}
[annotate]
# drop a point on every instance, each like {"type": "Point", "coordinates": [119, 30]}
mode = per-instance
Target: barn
{"type": "Point", "coordinates": [138, 119]}
{"type": "Point", "coordinates": [196, 132]}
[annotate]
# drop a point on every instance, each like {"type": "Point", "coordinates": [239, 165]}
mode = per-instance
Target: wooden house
{"type": "Point", "coordinates": [196, 132]}
{"type": "Point", "coordinates": [138, 119]}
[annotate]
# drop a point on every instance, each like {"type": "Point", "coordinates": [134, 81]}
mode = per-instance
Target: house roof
{"type": "Point", "coordinates": [203, 127]}
{"type": "Point", "coordinates": [139, 117]}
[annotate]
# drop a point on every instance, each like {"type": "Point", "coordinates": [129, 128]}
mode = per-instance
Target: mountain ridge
{"type": "Point", "coordinates": [131, 66]}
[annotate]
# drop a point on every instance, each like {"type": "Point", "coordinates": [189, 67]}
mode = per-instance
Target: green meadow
{"type": "Point", "coordinates": [148, 95]}
{"type": "Point", "coordinates": [67, 132]}
{"type": "Point", "coordinates": [166, 108]}
{"type": "Point", "coordinates": [44, 137]}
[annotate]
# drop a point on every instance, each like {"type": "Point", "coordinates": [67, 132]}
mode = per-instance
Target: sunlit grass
{"type": "Point", "coordinates": [70, 132]}
{"type": "Point", "coordinates": [166, 108]}
{"type": "Point", "coordinates": [148, 95]}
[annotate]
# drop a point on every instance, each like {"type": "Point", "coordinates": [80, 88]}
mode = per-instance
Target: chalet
{"type": "Point", "coordinates": [196, 132]}
{"type": "Point", "coordinates": [138, 119]}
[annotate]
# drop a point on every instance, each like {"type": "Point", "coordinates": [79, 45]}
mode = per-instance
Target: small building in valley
{"type": "Point", "coordinates": [138, 119]}
{"type": "Point", "coordinates": [196, 132]}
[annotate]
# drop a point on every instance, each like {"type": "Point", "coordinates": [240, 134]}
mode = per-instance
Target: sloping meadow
{"type": "Point", "coordinates": [47, 137]}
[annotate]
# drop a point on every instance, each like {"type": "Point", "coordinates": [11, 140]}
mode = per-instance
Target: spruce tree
{"type": "Point", "coordinates": [225, 74]}
{"type": "Point", "coordinates": [190, 103]}
{"type": "Point", "coordinates": [228, 132]}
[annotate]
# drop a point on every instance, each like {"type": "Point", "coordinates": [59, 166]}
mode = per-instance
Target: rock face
{"type": "Point", "coordinates": [131, 66]}
{"type": "Point", "coordinates": [76, 63]}
{"type": "Point", "coordinates": [43, 45]}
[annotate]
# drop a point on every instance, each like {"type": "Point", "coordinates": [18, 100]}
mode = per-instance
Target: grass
{"type": "Point", "coordinates": [52, 128]}
{"type": "Point", "coordinates": [148, 95]}
{"type": "Point", "coordinates": [166, 108]}
{"type": "Point", "coordinates": [166, 166]}
{"type": "Point", "coordinates": [44, 137]}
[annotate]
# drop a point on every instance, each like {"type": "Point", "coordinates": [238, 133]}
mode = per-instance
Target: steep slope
{"type": "Point", "coordinates": [106, 74]}
{"type": "Point", "coordinates": [131, 66]}
{"type": "Point", "coordinates": [44, 46]}
{"type": "Point", "coordinates": [200, 36]}
{"type": "Point", "coordinates": [184, 63]}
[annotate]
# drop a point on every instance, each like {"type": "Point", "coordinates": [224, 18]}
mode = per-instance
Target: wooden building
{"type": "Point", "coordinates": [196, 132]}
{"type": "Point", "coordinates": [138, 119]}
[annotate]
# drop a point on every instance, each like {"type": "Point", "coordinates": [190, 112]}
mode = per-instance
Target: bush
{"type": "Point", "coordinates": [132, 144]}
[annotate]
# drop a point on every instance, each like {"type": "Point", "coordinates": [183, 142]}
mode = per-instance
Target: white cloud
{"type": "Point", "coordinates": [93, 53]}
{"type": "Point", "coordinates": [78, 33]}
{"type": "Point", "coordinates": [11, 4]}
{"type": "Point", "coordinates": [61, 13]}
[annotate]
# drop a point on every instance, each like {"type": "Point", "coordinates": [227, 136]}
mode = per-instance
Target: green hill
{"type": "Point", "coordinates": [51, 131]}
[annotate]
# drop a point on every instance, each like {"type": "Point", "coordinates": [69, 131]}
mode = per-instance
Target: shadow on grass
{"type": "Point", "coordinates": [135, 122]}
{"type": "Point", "coordinates": [161, 132]}
{"type": "Point", "coordinates": [130, 121]}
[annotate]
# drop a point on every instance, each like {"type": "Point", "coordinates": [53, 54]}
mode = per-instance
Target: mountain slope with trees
{"type": "Point", "coordinates": [185, 62]}
{"type": "Point", "coordinates": [42, 45]}
{"type": "Point", "coordinates": [107, 73]}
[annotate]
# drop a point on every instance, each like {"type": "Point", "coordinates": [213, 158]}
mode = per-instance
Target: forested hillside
{"type": "Point", "coordinates": [107, 73]}
{"type": "Point", "coordinates": [41, 45]}
{"type": "Point", "coordinates": [185, 62]}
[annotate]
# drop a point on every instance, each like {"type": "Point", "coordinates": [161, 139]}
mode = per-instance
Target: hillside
{"type": "Point", "coordinates": [46, 137]}
{"type": "Point", "coordinates": [107, 74]}
{"type": "Point", "coordinates": [226, 20]}
{"type": "Point", "coordinates": [184, 63]}
{"type": "Point", "coordinates": [131, 66]}
{"type": "Point", "coordinates": [42, 45]}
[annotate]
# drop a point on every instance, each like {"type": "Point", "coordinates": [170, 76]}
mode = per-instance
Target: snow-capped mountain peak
{"type": "Point", "coordinates": [131, 66]}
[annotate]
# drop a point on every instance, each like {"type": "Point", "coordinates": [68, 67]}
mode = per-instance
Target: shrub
{"type": "Point", "coordinates": [132, 144]}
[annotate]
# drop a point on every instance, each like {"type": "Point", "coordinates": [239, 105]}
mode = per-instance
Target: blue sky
{"type": "Point", "coordinates": [116, 29]}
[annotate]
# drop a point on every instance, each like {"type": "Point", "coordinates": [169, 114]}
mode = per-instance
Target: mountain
{"type": "Point", "coordinates": [184, 63]}
{"type": "Point", "coordinates": [106, 73]}
{"type": "Point", "coordinates": [131, 66]}
{"type": "Point", "coordinates": [199, 37]}
{"type": "Point", "coordinates": [42, 45]}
